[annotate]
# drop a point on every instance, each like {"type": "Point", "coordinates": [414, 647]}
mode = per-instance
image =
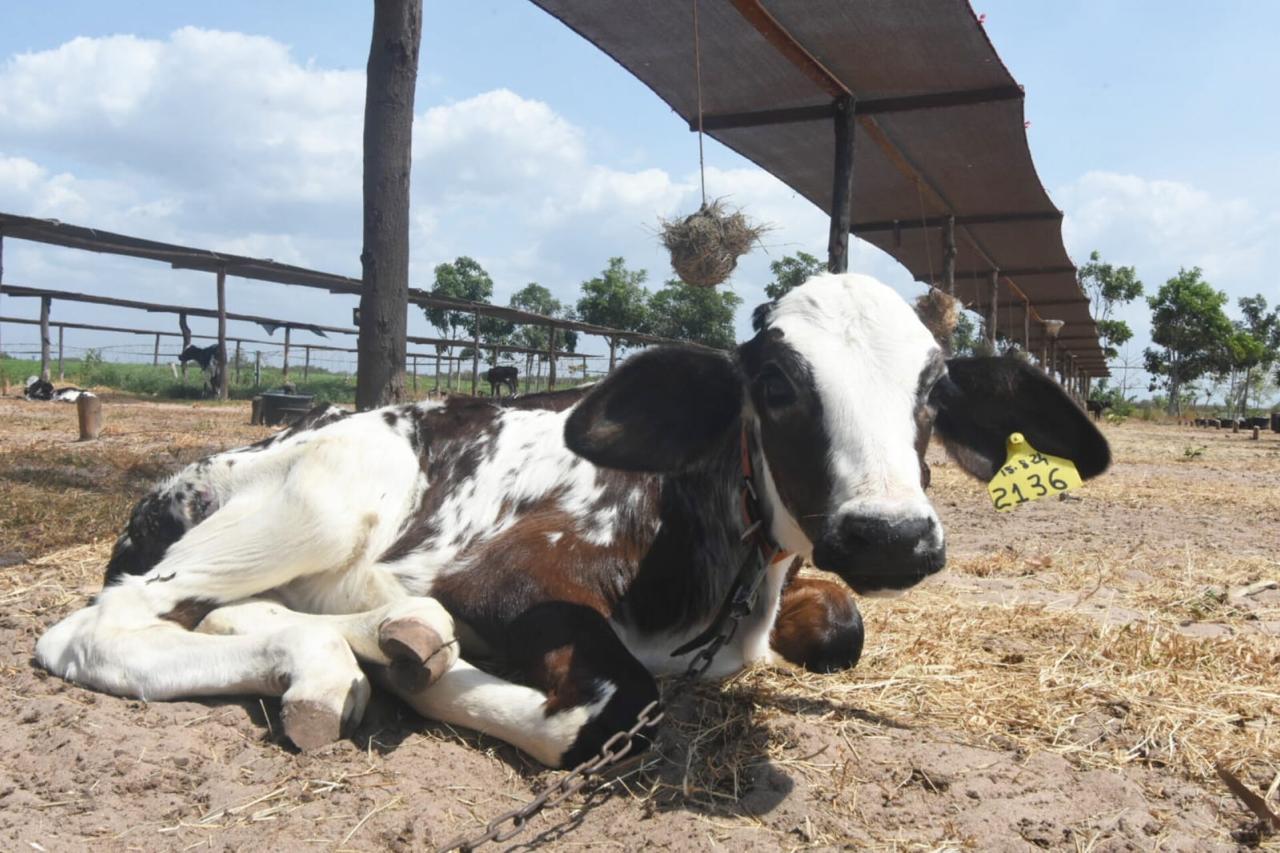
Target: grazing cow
{"type": "Point", "coordinates": [41, 389]}
{"type": "Point", "coordinates": [1097, 407]}
{"type": "Point", "coordinates": [570, 540]}
{"type": "Point", "coordinates": [498, 376]}
{"type": "Point", "coordinates": [210, 365]}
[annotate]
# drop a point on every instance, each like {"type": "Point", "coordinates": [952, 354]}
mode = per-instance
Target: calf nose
{"type": "Point", "coordinates": [876, 552]}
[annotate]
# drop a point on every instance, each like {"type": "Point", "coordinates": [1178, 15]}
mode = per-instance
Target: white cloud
{"type": "Point", "coordinates": [225, 140]}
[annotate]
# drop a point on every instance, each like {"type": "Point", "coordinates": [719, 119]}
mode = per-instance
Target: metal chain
{"type": "Point", "coordinates": [510, 824]}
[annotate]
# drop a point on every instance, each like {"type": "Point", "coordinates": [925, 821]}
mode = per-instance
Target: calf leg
{"type": "Point", "coordinates": [818, 626]}
{"type": "Point", "coordinates": [580, 686]}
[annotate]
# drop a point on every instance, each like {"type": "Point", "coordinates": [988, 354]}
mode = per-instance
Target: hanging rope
{"type": "Point", "coordinates": [933, 282]}
{"type": "Point", "coordinates": [697, 73]}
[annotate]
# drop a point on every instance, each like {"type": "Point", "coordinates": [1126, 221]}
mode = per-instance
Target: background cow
{"type": "Point", "coordinates": [525, 569]}
{"type": "Point", "coordinates": [210, 365]}
{"type": "Point", "coordinates": [42, 389]}
{"type": "Point", "coordinates": [1097, 407]}
{"type": "Point", "coordinates": [499, 376]}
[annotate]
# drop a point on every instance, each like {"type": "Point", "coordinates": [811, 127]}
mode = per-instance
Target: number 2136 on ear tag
{"type": "Point", "coordinates": [1029, 475]}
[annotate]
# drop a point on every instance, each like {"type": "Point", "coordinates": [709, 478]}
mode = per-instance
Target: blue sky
{"type": "Point", "coordinates": [236, 125]}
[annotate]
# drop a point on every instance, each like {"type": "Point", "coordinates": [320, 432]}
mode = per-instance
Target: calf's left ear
{"type": "Point", "coordinates": [661, 411]}
{"type": "Point", "coordinates": [981, 401]}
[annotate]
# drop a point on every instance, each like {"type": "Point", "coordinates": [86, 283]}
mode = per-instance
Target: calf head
{"type": "Point", "coordinates": [843, 387]}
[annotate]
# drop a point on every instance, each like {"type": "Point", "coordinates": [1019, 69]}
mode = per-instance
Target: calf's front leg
{"type": "Point", "coordinates": [818, 625]}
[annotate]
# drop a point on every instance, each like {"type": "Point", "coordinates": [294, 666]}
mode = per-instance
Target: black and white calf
{"type": "Point", "coordinates": [210, 365]}
{"type": "Point", "coordinates": [42, 389]}
{"type": "Point", "coordinates": [569, 541]}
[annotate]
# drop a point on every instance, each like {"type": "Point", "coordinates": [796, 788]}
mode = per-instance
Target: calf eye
{"type": "Point", "coordinates": [775, 388]}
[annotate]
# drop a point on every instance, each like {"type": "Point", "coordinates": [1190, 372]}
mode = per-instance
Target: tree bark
{"type": "Point", "coordinates": [388, 134]}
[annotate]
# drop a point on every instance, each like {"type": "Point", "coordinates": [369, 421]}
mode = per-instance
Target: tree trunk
{"type": "Point", "coordinates": [388, 133]}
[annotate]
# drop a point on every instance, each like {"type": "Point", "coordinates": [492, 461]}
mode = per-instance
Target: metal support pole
{"type": "Point", "coordinates": [475, 354]}
{"type": "Point", "coordinates": [842, 187]}
{"type": "Point", "coordinates": [61, 376]}
{"type": "Point", "coordinates": [222, 333]}
{"type": "Point", "coordinates": [285, 372]}
{"type": "Point", "coordinates": [551, 358]}
{"type": "Point", "coordinates": [992, 309]}
{"type": "Point", "coordinates": [44, 337]}
{"type": "Point", "coordinates": [949, 256]}
{"type": "Point", "coordinates": [155, 352]}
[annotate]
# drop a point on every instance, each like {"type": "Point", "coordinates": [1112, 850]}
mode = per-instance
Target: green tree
{"type": "Point", "coordinates": [462, 279]}
{"type": "Point", "coordinates": [1109, 286]}
{"type": "Point", "coordinates": [536, 299]}
{"type": "Point", "coordinates": [791, 272]}
{"type": "Point", "coordinates": [702, 315]}
{"type": "Point", "coordinates": [1189, 328]}
{"type": "Point", "coordinates": [617, 298]}
{"type": "Point", "coordinates": [965, 339]}
{"type": "Point", "coordinates": [1252, 348]}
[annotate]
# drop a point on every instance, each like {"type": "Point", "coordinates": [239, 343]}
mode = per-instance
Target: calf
{"type": "Point", "coordinates": [502, 376]}
{"type": "Point", "coordinates": [210, 365]}
{"type": "Point", "coordinates": [1096, 408]}
{"type": "Point", "coordinates": [569, 541]}
{"type": "Point", "coordinates": [42, 389]}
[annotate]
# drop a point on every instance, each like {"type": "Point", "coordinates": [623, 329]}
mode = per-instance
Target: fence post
{"type": "Point", "coordinates": [44, 337]}
{"type": "Point", "coordinates": [551, 358]}
{"type": "Point", "coordinates": [306, 362]}
{"type": "Point", "coordinates": [155, 352]}
{"type": "Point", "coordinates": [286, 353]}
{"type": "Point", "coordinates": [237, 361]}
{"type": "Point", "coordinates": [475, 354]}
{"type": "Point", "coordinates": [222, 333]}
{"type": "Point", "coordinates": [257, 368]}
{"type": "Point", "coordinates": [415, 374]}
{"type": "Point", "coordinates": [61, 329]}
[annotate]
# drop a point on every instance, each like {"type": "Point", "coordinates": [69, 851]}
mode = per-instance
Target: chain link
{"type": "Point", "coordinates": [510, 824]}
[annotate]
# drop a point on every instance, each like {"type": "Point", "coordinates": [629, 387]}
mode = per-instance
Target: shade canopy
{"type": "Point", "coordinates": [940, 132]}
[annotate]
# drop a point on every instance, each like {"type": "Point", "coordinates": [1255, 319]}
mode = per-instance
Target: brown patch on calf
{"type": "Point", "coordinates": [190, 612]}
{"type": "Point", "coordinates": [818, 625]}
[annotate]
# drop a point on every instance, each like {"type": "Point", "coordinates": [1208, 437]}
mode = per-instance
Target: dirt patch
{"type": "Point", "coordinates": [1051, 691]}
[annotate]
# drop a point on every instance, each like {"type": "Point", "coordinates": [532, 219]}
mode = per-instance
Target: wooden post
{"type": "Point", "coordinates": [286, 353]}
{"type": "Point", "coordinates": [551, 358]}
{"type": "Point", "coordinates": [415, 375]}
{"type": "Point", "coordinates": [89, 413]}
{"type": "Point", "coordinates": [222, 333]}
{"type": "Point", "coordinates": [1044, 347]}
{"type": "Point", "coordinates": [613, 353]}
{"type": "Point", "coordinates": [155, 352]}
{"type": "Point", "coordinates": [44, 337]}
{"type": "Point", "coordinates": [61, 375]}
{"type": "Point", "coordinates": [1026, 326]}
{"type": "Point", "coordinates": [306, 363]}
{"type": "Point", "coordinates": [842, 187]}
{"type": "Point", "coordinates": [237, 361]}
{"type": "Point", "coordinates": [949, 256]}
{"type": "Point", "coordinates": [186, 341]}
{"type": "Point", "coordinates": [475, 353]}
{"type": "Point", "coordinates": [993, 310]}
{"type": "Point", "coordinates": [1, 273]}
{"type": "Point", "coordinates": [257, 368]}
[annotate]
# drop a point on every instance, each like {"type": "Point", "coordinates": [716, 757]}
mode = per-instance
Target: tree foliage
{"type": "Point", "coordinates": [791, 272]}
{"type": "Point", "coordinates": [617, 298]}
{"type": "Point", "coordinates": [462, 279]}
{"type": "Point", "coordinates": [1188, 327]}
{"type": "Point", "coordinates": [1109, 286]}
{"type": "Point", "coordinates": [537, 299]}
{"type": "Point", "coordinates": [965, 339]}
{"type": "Point", "coordinates": [702, 315]}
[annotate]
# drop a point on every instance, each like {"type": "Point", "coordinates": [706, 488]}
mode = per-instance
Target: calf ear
{"type": "Point", "coordinates": [661, 411]}
{"type": "Point", "coordinates": [982, 401]}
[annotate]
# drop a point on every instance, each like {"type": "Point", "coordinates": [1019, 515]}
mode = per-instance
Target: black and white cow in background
{"type": "Point", "coordinates": [569, 540]}
{"type": "Point", "coordinates": [210, 365]}
{"type": "Point", "coordinates": [42, 389]}
{"type": "Point", "coordinates": [502, 376]}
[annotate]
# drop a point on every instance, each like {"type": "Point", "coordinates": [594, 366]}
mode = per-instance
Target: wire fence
{"type": "Point", "coordinates": [326, 372]}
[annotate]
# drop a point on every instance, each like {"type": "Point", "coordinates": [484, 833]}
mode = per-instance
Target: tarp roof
{"type": "Point", "coordinates": [940, 130]}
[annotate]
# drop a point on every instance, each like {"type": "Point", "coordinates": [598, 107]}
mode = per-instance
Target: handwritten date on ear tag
{"type": "Point", "coordinates": [1028, 475]}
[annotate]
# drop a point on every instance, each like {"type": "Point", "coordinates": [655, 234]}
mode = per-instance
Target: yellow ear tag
{"type": "Point", "coordinates": [1029, 475]}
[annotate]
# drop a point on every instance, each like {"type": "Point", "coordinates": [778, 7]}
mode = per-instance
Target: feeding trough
{"type": "Point", "coordinates": [272, 408]}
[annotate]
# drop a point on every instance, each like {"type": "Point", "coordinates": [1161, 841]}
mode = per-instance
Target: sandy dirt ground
{"type": "Point", "coordinates": [1069, 683]}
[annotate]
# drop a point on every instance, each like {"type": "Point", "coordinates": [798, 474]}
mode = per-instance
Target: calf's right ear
{"type": "Point", "coordinates": [661, 411]}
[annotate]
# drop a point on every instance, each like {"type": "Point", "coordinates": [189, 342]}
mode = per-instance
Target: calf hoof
{"type": "Point", "coordinates": [310, 724]}
{"type": "Point", "coordinates": [418, 654]}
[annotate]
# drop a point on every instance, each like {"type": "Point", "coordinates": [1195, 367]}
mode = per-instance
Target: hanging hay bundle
{"type": "Point", "coordinates": [705, 246]}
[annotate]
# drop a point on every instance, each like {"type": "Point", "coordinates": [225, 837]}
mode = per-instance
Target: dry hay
{"type": "Point", "coordinates": [705, 246]}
